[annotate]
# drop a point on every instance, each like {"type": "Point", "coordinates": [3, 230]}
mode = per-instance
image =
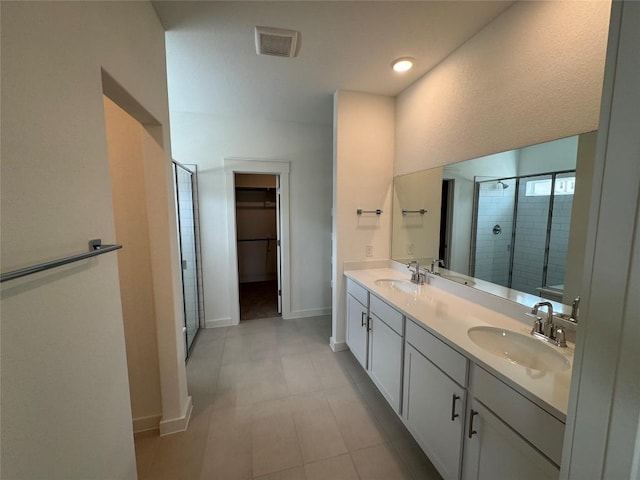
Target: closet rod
{"type": "Point", "coordinates": [262, 239]}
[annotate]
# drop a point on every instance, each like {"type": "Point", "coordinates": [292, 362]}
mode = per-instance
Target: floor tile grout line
{"type": "Point", "coordinates": [354, 380]}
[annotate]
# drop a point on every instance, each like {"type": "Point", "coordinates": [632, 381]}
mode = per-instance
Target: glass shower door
{"type": "Point", "coordinates": [187, 242]}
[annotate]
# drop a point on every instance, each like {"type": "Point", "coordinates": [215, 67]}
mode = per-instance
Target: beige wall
{"type": "Point", "coordinates": [65, 397]}
{"type": "Point", "coordinates": [416, 236]}
{"type": "Point", "coordinates": [533, 74]}
{"type": "Point", "coordinates": [362, 170]}
{"type": "Point", "coordinates": [126, 165]}
{"type": "Point", "coordinates": [586, 153]}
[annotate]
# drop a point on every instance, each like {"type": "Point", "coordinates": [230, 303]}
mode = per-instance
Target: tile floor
{"type": "Point", "coordinates": [273, 402]}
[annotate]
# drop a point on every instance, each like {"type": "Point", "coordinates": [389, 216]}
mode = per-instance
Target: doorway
{"type": "Point", "coordinates": [446, 221]}
{"type": "Point", "coordinates": [280, 170]}
{"type": "Point", "coordinates": [129, 163]}
{"type": "Point", "coordinates": [257, 238]}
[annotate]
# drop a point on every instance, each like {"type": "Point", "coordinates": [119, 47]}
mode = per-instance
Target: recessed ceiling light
{"type": "Point", "coordinates": [402, 64]}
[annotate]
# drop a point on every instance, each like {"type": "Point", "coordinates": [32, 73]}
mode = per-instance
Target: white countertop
{"type": "Point", "coordinates": [449, 317]}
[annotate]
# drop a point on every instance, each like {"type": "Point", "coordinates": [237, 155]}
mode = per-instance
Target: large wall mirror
{"type": "Point", "coordinates": [515, 219]}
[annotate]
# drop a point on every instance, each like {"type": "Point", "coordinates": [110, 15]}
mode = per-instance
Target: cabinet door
{"type": "Point", "coordinates": [385, 360]}
{"type": "Point", "coordinates": [357, 329]}
{"type": "Point", "coordinates": [433, 411]}
{"type": "Point", "coordinates": [496, 452]}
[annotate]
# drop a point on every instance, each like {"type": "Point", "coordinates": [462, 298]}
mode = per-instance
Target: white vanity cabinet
{"type": "Point", "coordinates": [375, 337]}
{"type": "Point", "coordinates": [472, 422]}
{"type": "Point", "coordinates": [434, 398]}
{"type": "Point", "coordinates": [385, 350]}
{"type": "Point", "coordinates": [357, 321]}
{"type": "Point", "coordinates": [519, 440]}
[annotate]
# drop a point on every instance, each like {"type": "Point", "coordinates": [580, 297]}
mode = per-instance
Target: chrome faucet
{"type": "Point", "coordinates": [416, 276]}
{"type": "Point", "coordinates": [547, 330]}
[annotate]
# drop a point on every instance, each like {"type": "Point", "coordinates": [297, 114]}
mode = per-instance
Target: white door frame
{"type": "Point", "coordinates": [253, 165]}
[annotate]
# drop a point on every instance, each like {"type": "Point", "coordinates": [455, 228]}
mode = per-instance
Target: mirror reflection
{"type": "Point", "coordinates": [515, 219]}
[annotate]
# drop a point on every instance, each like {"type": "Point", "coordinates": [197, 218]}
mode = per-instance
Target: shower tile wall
{"type": "Point", "coordinates": [530, 240]}
{"type": "Point", "coordinates": [559, 241]}
{"type": "Point", "coordinates": [196, 213]}
{"type": "Point", "coordinates": [493, 251]}
{"type": "Point", "coordinates": [188, 250]}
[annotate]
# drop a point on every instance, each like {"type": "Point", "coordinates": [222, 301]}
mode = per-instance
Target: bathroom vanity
{"type": "Point", "coordinates": [481, 396]}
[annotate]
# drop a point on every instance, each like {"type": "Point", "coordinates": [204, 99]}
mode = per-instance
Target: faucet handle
{"type": "Point", "coordinates": [537, 322]}
{"type": "Point", "coordinates": [435, 263]}
{"type": "Point", "coordinates": [575, 308]}
{"type": "Point", "coordinates": [560, 337]}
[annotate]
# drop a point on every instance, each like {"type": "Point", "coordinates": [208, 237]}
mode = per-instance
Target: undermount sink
{"type": "Point", "coordinates": [400, 285]}
{"type": "Point", "coordinates": [519, 349]}
{"type": "Point", "coordinates": [456, 278]}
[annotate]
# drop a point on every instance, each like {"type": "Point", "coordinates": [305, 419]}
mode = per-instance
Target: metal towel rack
{"type": "Point", "coordinates": [422, 211]}
{"type": "Point", "coordinates": [95, 248]}
{"type": "Point", "coordinates": [361, 211]}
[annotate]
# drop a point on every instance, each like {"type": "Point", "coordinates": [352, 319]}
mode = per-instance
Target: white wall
{"type": "Point", "coordinates": [533, 74]}
{"type": "Point", "coordinates": [602, 438]}
{"type": "Point", "coordinates": [207, 141]}
{"type": "Point", "coordinates": [65, 395]}
{"type": "Point", "coordinates": [362, 178]}
{"type": "Point", "coordinates": [548, 157]}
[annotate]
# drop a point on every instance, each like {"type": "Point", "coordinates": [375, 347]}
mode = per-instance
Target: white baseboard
{"type": "Point", "coordinates": [337, 346]}
{"type": "Point", "coordinates": [314, 312]}
{"type": "Point", "coordinates": [179, 424]}
{"type": "Point", "coordinates": [217, 322]}
{"type": "Point", "coordinates": [144, 424]}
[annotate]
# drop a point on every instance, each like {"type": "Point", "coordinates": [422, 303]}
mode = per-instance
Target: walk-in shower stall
{"type": "Point", "coordinates": [521, 231]}
{"type": "Point", "coordinates": [185, 178]}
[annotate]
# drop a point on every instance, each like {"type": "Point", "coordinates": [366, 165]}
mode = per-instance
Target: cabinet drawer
{"type": "Point", "coordinates": [386, 313]}
{"type": "Point", "coordinates": [359, 293]}
{"type": "Point", "coordinates": [540, 428]}
{"type": "Point", "coordinates": [441, 354]}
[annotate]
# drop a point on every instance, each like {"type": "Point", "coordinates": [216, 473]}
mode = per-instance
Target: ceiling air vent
{"type": "Point", "coordinates": [276, 41]}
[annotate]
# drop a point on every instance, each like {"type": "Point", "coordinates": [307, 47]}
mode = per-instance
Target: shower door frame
{"type": "Point", "coordinates": [474, 228]}
{"type": "Point", "coordinates": [199, 309]}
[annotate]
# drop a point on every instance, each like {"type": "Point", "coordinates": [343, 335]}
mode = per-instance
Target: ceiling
{"type": "Point", "coordinates": [213, 67]}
